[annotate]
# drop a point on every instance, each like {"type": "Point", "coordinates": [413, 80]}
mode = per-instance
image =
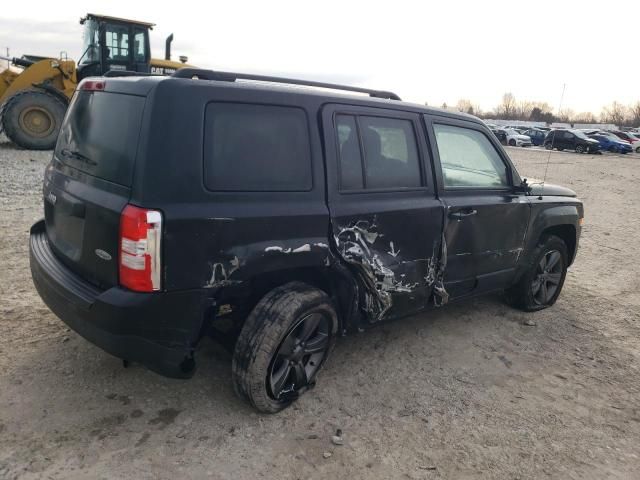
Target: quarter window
{"type": "Point", "coordinates": [256, 148]}
{"type": "Point", "coordinates": [469, 159]}
{"type": "Point", "coordinates": [377, 153]}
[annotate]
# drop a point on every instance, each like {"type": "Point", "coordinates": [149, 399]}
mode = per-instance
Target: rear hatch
{"type": "Point", "coordinates": [88, 182]}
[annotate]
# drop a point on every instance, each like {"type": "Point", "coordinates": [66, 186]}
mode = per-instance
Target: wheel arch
{"type": "Point", "coordinates": [567, 233]}
{"type": "Point", "coordinates": [334, 280]}
{"type": "Point", "coordinates": [548, 219]}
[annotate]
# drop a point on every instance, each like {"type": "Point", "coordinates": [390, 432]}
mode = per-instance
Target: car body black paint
{"type": "Point", "coordinates": [380, 253]}
{"type": "Point", "coordinates": [567, 139]}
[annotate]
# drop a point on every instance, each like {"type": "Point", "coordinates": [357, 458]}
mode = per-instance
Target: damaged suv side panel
{"type": "Point", "coordinates": [387, 231]}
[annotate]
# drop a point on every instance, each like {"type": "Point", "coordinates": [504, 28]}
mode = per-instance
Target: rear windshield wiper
{"type": "Point", "coordinates": [78, 156]}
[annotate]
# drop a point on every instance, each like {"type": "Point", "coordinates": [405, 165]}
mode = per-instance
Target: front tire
{"type": "Point", "coordinates": [512, 143]}
{"type": "Point", "coordinates": [540, 286]}
{"type": "Point", "coordinates": [32, 119]}
{"type": "Point", "coordinates": [283, 345]}
{"type": "Point", "coordinates": [579, 149]}
{"type": "Point", "coordinates": [548, 146]}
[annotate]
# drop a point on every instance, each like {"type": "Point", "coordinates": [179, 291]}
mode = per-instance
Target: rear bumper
{"type": "Point", "coordinates": [159, 330]}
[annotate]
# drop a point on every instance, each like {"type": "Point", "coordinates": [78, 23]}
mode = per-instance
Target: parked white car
{"type": "Point", "coordinates": [516, 139]}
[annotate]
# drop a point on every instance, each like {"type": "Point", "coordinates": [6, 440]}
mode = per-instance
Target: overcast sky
{"type": "Point", "coordinates": [424, 51]}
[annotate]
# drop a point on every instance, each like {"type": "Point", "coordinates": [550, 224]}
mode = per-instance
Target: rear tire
{"type": "Point", "coordinates": [31, 119]}
{"type": "Point", "coordinates": [638, 150]}
{"type": "Point", "coordinates": [548, 146]}
{"type": "Point", "coordinates": [540, 286]}
{"type": "Point", "coordinates": [272, 364]}
{"type": "Point", "coordinates": [512, 143]}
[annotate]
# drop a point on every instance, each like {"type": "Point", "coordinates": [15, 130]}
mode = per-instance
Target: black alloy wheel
{"type": "Point", "coordinates": [547, 278]}
{"type": "Point", "coordinates": [299, 357]}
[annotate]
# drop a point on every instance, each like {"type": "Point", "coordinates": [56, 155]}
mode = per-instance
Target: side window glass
{"type": "Point", "coordinates": [390, 153]}
{"type": "Point", "coordinates": [117, 42]}
{"type": "Point", "coordinates": [256, 148]}
{"type": "Point", "coordinates": [349, 149]}
{"type": "Point", "coordinates": [468, 159]}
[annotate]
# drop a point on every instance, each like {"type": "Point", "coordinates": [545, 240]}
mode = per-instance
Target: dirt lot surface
{"type": "Point", "coordinates": [467, 391]}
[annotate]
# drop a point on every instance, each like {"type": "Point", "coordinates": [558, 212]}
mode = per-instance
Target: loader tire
{"type": "Point", "coordinates": [31, 119]}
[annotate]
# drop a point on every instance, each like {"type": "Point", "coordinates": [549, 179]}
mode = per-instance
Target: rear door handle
{"type": "Point", "coordinates": [460, 214]}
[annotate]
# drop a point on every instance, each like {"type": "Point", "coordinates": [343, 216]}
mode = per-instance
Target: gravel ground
{"type": "Point", "coordinates": [467, 391]}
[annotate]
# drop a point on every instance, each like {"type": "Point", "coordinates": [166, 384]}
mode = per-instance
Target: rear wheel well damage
{"type": "Point", "coordinates": [235, 303]}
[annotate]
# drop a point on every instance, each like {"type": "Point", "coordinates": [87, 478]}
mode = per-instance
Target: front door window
{"type": "Point", "coordinates": [468, 159]}
{"type": "Point", "coordinates": [117, 43]}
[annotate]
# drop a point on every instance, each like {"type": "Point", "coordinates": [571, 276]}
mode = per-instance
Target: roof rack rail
{"type": "Point", "coordinates": [232, 77]}
{"type": "Point", "coordinates": [126, 73]}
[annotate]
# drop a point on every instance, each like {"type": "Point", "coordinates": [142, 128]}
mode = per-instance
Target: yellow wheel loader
{"type": "Point", "coordinates": [34, 95]}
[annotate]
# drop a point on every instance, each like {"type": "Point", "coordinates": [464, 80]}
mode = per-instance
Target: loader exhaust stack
{"type": "Point", "coordinates": [167, 47]}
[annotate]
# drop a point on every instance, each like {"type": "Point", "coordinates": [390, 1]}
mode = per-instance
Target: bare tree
{"type": "Point", "coordinates": [507, 108]}
{"type": "Point", "coordinates": [566, 115]}
{"type": "Point", "coordinates": [465, 105]}
{"type": "Point", "coordinates": [615, 113]}
{"type": "Point", "coordinates": [584, 117]}
{"type": "Point", "coordinates": [634, 114]}
{"type": "Point", "coordinates": [523, 110]}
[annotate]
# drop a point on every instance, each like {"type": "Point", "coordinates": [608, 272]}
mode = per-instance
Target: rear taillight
{"type": "Point", "coordinates": [92, 85]}
{"type": "Point", "coordinates": [139, 252]}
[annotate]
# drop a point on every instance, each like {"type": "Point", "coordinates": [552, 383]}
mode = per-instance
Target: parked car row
{"type": "Point", "coordinates": [571, 139]}
{"type": "Point", "coordinates": [610, 142]}
{"type": "Point", "coordinates": [632, 139]}
{"type": "Point", "coordinates": [579, 140]}
{"type": "Point", "coordinates": [512, 137]}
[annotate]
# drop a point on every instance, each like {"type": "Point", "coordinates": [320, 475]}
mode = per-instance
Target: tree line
{"type": "Point", "coordinates": [512, 109]}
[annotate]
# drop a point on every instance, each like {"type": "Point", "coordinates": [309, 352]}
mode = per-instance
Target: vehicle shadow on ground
{"type": "Point", "coordinates": [89, 376]}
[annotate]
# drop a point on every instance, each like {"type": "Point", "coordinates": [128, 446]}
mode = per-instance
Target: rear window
{"type": "Point", "coordinates": [256, 148]}
{"type": "Point", "coordinates": [100, 135]}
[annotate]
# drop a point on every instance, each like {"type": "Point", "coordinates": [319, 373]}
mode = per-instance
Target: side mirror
{"type": "Point", "coordinates": [523, 187]}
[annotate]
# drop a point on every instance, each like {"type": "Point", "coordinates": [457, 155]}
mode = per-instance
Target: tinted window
{"type": "Point", "coordinates": [256, 148]}
{"type": "Point", "coordinates": [390, 153]}
{"type": "Point", "coordinates": [100, 135]}
{"type": "Point", "coordinates": [468, 159]}
{"type": "Point", "coordinates": [350, 159]}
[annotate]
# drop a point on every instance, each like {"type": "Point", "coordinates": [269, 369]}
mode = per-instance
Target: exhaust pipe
{"type": "Point", "coordinates": [167, 47]}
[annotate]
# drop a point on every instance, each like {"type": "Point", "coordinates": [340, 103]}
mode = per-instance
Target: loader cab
{"type": "Point", "coordinates": [111, 43]}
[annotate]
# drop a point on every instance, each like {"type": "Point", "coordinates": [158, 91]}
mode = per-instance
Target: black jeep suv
{"type": "Point", "coordinates": [571, 140]}
{"type": "Point", "coordinates": [279, 217]}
